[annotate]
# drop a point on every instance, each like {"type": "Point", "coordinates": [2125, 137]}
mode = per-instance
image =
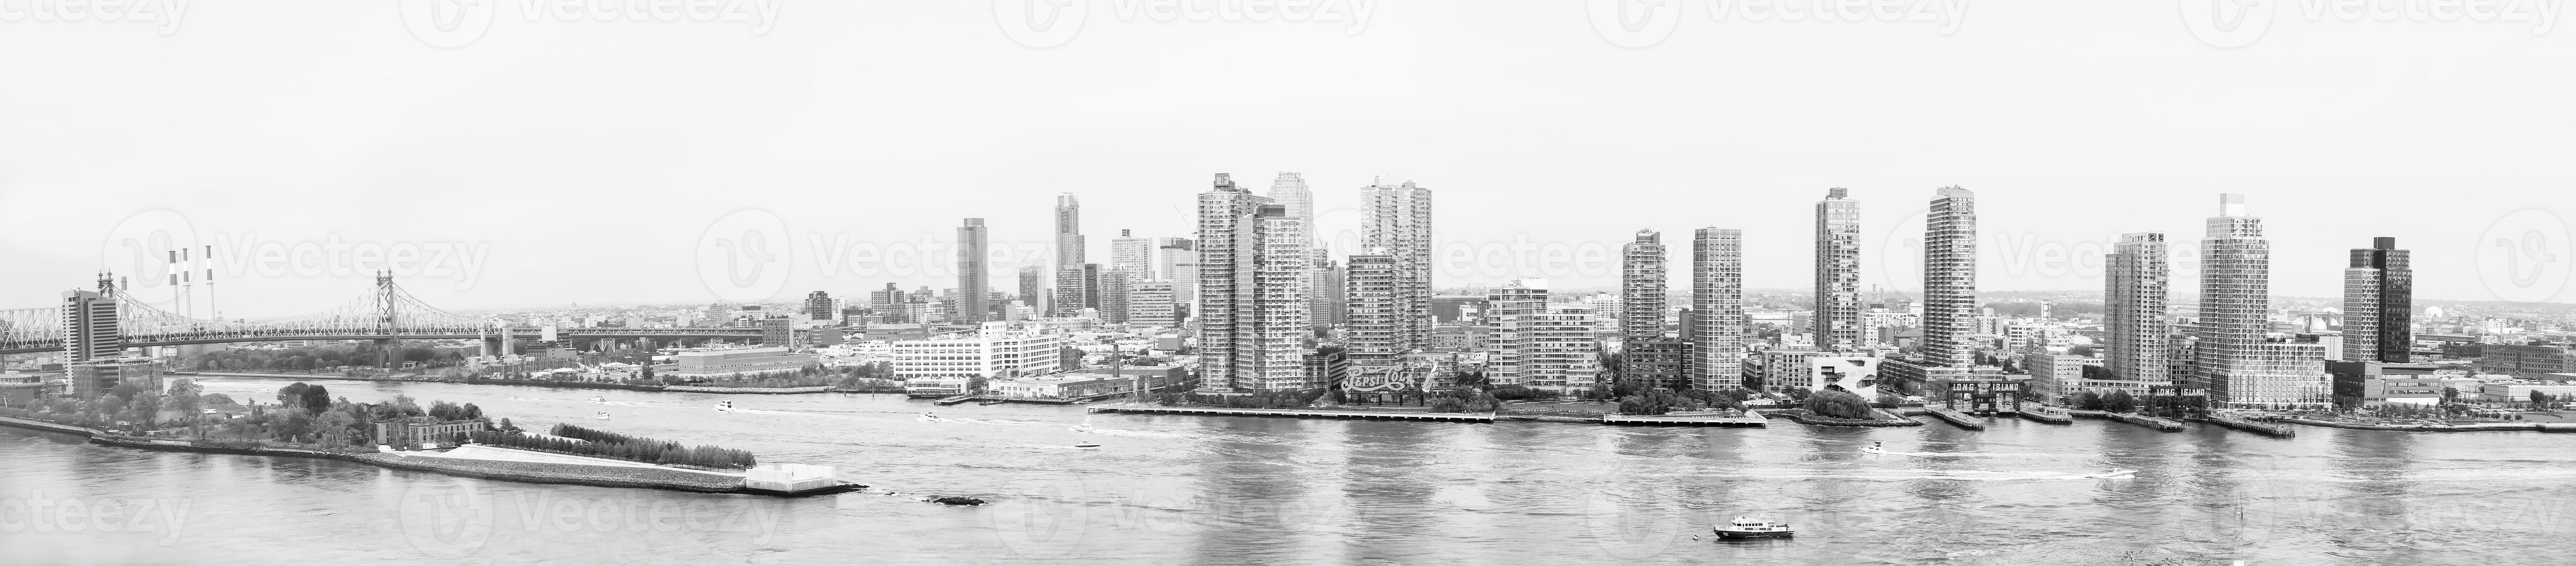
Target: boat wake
{"type": "Point", "coordinates": [785, 413]}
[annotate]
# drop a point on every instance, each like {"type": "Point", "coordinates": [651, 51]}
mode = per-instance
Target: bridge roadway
{"type": "Point", "coordinates": [186, 338]}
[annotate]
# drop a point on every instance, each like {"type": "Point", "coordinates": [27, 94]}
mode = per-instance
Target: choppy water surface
{"type": "Point", "coordinates": [1173, 489]}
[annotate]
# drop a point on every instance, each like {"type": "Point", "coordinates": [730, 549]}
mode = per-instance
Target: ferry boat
{"type": "Point", "coordinates": [602, 415]}
{"type": "Point", "coordinates": [1745, 527]}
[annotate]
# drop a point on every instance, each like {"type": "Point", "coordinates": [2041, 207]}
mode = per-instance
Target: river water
{"type": "Point", "coordinates": [1180, 489]}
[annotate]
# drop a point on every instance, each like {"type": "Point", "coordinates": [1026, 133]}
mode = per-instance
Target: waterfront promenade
{"type": "Point", "coordinates": [1296, 413]}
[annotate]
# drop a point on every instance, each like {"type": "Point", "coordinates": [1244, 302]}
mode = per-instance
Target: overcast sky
{"type": "Point", "coordinates": [595, 161]}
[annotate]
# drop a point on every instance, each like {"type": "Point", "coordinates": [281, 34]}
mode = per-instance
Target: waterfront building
{"type": "Point", "coordinates": [974, 276]}
{"type": "Point", "coordinates": [1062, 386]}
{"type": "Point", "coordinates": [1656, 362]}
{"type": "Point", "coordinates": [2378, 304]}
{"type": "Point", "coordinates": [1837, 295]}
{"type": "Point", "coordinates": [92, 379]}
{"type": "Point", "coordinates": [1251, 313]}
{"type": "Point", "coordinates": [1715, 323]}
{"type": "Point", "coordinates": [395, 433]}
{"type": "Point", "coordinates": [2519, 391]}
{"type": "Point", "coordinates": [1371, 317]}
{"type": "Point", "coordinates": [1513, 312]}
{"type": "Point", "coordinates": [1396, 221]}
{"type": "Point", "coordinates": [1950, 278]}
{"type": "Point", "coordinates": [1781, 370]}
{"type": "Point", "coordinates": [719, 364]}
{"type": "Point", "coordinates": [2135, 290]}
{"type": "Point", "coordinates": [1564, 351]}
{"type": "Point", "coordinates": [2054, 377]}
{"type": "Point", "coordinates": [1856, 374]}
{"type": "Point", "coordinates": [1642, 286]}
{"type": "Point", "coordinates": [2239, 363]}
{"type": "Point", "coordinates": [998, 350]}
{"type": "Point", "coordinates": [90, 325]}
{"type": "Point", "coordinates": [2371, 384]}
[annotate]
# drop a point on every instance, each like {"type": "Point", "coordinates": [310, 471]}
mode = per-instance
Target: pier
{"type": "Point", "coordinates": [2046, 416]}
{"type": "Point", "coordinates": [2239, 423]}
{"type": "Point", "coordinates": [1954, 417]}
{"type": "Point", "coordinates": [946, 401]}
{"type": "Point", "coordinates": [1685, 419]}
{"type": "Point", "coordinates": [2158, 423]}
{"type": "Point", "coordinates": [1297, 413]}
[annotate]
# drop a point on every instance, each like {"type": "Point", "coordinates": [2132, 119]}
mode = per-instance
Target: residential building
{"type": "Point", "coordinates": [2135, 280]}
{"type": "Point", "coordinates": [1327, 299]}
{"type": "Point", "coordinates": [1716, 320]}
{"type": "Point", "coordinates": [2240, 364]}
{"type": "Point", "coordinates": [1513, 312]}
{"type": "Point", "coordinates": [2054, 377]}
{"type": "Point", "coordinates": [1370, 309]}
{"type": "Point", "coordinates": [1949, 278]}
{"type": "Point", "coordinates": [1782, 370]}
{"type": "Point", "coordinates": [1656, 362]}
{"type": "Point", "coordinates": [1153, 304]}
{"type": "Point", "coordinates": [996, 351]}
{"type": "Point", "coordinates": [1397, 222]}
{"type": "Point", "coordinates": [818, 306]}
{"type": "Point", "coordinates": [2378, 304]}
{"type": "Point", "coordinates": [1837, 295]}
{"type": "Point", "coordinates": [1642, 285]}
{"type": "Point", "coordinates": [1251, 313]}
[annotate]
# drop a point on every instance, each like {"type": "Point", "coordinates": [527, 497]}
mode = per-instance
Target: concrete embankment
{"type": "Point", "coordinates": [1296, 413]}
{"type": "Point", "coordinates": [2163, 424]}
{"type": "Point", "coordinates": [2472, 427]}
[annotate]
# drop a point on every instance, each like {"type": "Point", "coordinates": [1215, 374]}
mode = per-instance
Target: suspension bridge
{"type": "Point", "coordinates": [384, 314]}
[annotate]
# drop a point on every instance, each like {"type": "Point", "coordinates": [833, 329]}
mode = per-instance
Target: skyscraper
{"type": "Point", "coordinates": [2378, 304]}
{"type": "Point", "coordinates": [1642, 285]}
{"type": "Point", "coordinates": [974, 276]}
{"type": "Point", "coordinates": [1369, 308]}
{"type": "Point", "coordinates": [1070, 289]}
{"type": "Point", "coordinates": [1325, 296]}
{"type": "Point", "coordinates": [1132, 255]}
{"type": "Point", "coordinates": [2135, 280]}
{"type": "Point", "coordinates": [1838, 272]}
{"type": "Point", "coordinates": [1253, 264]}
{"type": "Point", "coordinates": [1398, 222]}
{"type": "Point", "coordinates": [2239, 363]}
{"type": "Point", "coordinates": [1514, 311]}
{"type": "Point", "coordinates": [1950, 278]}
{"type": "Point", "coordinates": [90, 327]}
{"type": "Point", "coordinates": [1114, 287]}
{"type": "Point", "coordinates": [1717, 309]}
{"type": "Point", "coordinates": [818, 306]}
{"type": "Point", "coordinates": [1289, 190]}
{"type": "Point", "coordinates": [1033, 288]}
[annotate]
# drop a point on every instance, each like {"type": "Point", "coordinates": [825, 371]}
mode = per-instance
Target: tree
{"type": "Point", "coordinates": [2119, 401]}
{"type": "Point", "coordinates": [2088, 401]}
{"type": "Point", "coordinates": [315, 398]}
{"type": "Point", "coordinates": [2538, 399]}
{"type": "Point", "coordinates": [1838, 403]}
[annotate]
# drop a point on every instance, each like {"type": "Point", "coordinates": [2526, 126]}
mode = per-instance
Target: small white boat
{"type": "Point", "coordinates": [602, 415]}
{"type": "Point", "coordinates": [1745, 527]}
{"type": "Point", "coordinates": [724, 406]}
{"type": "Point", "coordinates": [598, 400]}
{"type": "Point", "coordinates": [1874, 448]}
{"type": "Point", "coordinates": [928, 417]}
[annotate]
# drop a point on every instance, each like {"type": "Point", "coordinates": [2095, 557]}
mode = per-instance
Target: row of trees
{"type": "Point", "coordinates": [2118, 401]}
{"type": "Point", "coordinates": [1284, 399]}
{"type": "Point", "coordinates": [585, 441]}
{"type": "Point", "coordinates": [1466, 399]}
{"type": "Point", "coordinates": [310, 358]}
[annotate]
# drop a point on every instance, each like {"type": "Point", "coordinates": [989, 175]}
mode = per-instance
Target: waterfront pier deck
{"type": "Point", "coordinates": [954, 400]}
{"type": "Point", "coordinates": [2046, 416]}
{"type": "Point", "coordinates": [1954, 417]}
{"type": "Point", "coordinates": [2158, 423]}
{"type": "Point", "coordinates": [1296, 413]}
{"type": "Point", "coordinates": [2240, 423]}
{"type": "Point", "coordinates": [1682, 419]}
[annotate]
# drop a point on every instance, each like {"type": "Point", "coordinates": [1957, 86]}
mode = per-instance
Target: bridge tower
{"type": "Point", "coordinates": [389, 346]}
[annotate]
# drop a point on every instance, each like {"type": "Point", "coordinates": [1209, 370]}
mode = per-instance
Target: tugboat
{"type": "Point", "coordinates": [1874, 448]}
{"type": "Point", "coordinates": [1744, 527]}
{"type": "Point", "coordinates": [602, 415]}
